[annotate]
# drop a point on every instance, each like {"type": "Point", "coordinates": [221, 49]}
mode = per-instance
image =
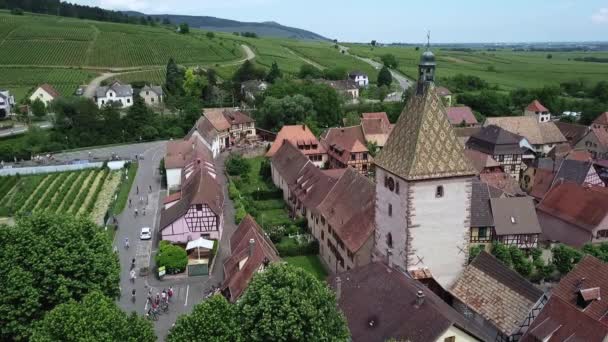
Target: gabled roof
{"type": "Point", "coordinates": [340, 85]}
{"type": "Point", "coordinates": [348, 139]}
{"type": "Point", "coordinates": [537, 133]}
{"type": "Point", "coordinates": [496, 292]}
{"type": "Point", "coordinates": [50, 90]}
{"type": "Point", "coordinates": [443, 91]}
{"type": "Point", "coordinates": [572, 132]}
{"type": "Point", "coordinates": [289, 161]}
{"type": "Point", "coordinates": [297, 135]}
{"type": "Point", "coordinates": [457, 115]}
{"type": "Point", "coordinates": [536, 106]}
{"type": "Point", "coordinates": [246, 259]}
{"type": "Point", "coordinates": [514, 215]}
{"type": "Point", "coordinates": [481, 212]}
{"type": "Point", "coordinates": [357, 73]}
{"type": "Point", "coordinates": [206, 130]}
{"type": "Point", "coordinates": [543, 179]}
{"type": "Point", "coordinates": [582, 206]}
{"type": "Point", "coordinates": [121, 90]}
{"type": "Point", "coordinates": [350, 209]}
{"type": "Point", "coordinates": [423, 144]}
{"type": "Point", "coordinates": [155, 89]}
{"type": "Point", "coordinates": [311, 185]}
{"type": "Point", "coordinates": [494, 140]}
{"type": "Point", "coordinates": [181, 152]}
{"type": "Point", "coordinates": [503, 182]}
{"type": "Point", "coordinates": [573, 170]}
{"type": "Point", "coordinates": [559, 322]}
{"type": "Point", "coordinates": [223, 118]}
{"type": "Point", "coordinates": [602, 119]}
{"type": "Point", "coordinates": [602, 135]}
{"type": "Point", "coordinates": [380, 304]}
{"type": "Point", "coordinates": [376, 128]}
{"type": "Point", "coordinates": [199, 188]}
{"type": "Point", "coordinates": [481, 161]}
{"type": "Point", "coordinates": [589, 273]}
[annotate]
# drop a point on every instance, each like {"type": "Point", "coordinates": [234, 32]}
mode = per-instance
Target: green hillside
{"type": "Point", "coordinates": [504, 68]}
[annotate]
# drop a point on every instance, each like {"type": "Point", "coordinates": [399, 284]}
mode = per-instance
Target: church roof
{"type": "Point", "coordinates": [423, 144]}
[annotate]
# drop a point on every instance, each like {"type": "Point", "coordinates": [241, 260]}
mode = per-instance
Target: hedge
{"type": "Point", "coordinates": [290, 247]}
{"type": "Point", "coordinates": [125, 188]}
{"type": "Point", "coordinates": [263, 195]}
{"type": "Point", "coordinates": [174, 258]}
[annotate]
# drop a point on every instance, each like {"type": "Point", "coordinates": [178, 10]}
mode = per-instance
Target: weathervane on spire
{"type": "Point", "coordinates": [428, 39]}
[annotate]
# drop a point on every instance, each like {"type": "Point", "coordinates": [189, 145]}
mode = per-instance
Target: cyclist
{"type": "Point", "coordinates": [127, 243]}
{"type": "Point", "coordinates": [133, 263]}
{"type": "Point", "coordinates": [170, 292]}
{"type": "Point", "coordinates": [132, 275]}
{"type": "Point", "coordinates": [135, 211]}
{"type": "Point", "coordinates": [133, 294]}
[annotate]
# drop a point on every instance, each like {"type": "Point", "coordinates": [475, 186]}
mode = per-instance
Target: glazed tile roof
{"type": "Point", "coordinates": [457, 115]}
{"type": "Point", "coordinates": [536, 106]}
{"type": "Point", "coordinates": [244, 263]}
{"type": "Point", "coordinates": [298, 135]}
{"type": "Point", "coordinates": [514, 215]}
{"type": "Point", "coordinates": [423, 144]}
{"type": "Point", "coordinates": [380, 305]}
{"type": "Point", "coordinates": [537, 133]}
{"type": "Point", "coordinates": [496, 292]}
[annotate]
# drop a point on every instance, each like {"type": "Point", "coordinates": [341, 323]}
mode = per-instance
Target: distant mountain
{"type": "Point", "coordinates": [263, 29]}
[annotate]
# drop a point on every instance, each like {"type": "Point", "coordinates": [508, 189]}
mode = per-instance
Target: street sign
{"type": "Point", "coordinates": [161, 271]}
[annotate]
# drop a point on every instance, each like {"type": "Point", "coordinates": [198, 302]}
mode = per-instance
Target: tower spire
{"type": "Point", "coordinates": [428, 40]}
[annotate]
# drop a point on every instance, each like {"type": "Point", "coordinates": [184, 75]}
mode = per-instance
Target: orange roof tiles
{"type": "Point", "coordinates": [536, 106]}
{"type": "Point", "coordinates": [298, 135]}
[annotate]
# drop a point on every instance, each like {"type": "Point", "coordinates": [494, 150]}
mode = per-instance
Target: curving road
{"type": "Point", "coordinates": [404, 82]}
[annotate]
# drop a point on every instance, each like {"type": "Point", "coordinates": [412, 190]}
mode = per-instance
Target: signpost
{"type": "Point", "coordinates": [161, 271]}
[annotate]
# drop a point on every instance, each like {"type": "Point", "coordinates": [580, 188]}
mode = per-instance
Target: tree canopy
{"type": "Point", "coordinates": [384, 77]}
{"type": "Point", "coordinates": [309, 71]}
{"type": "Point", "coordinates": [274, 73]}
{"type": "Point", "coordinates": [275, 113]}
{"type": "Point", "coordinates": [283, 303]}
{"type": "Point", "coordinates": [389, 60]}
{"type": "Point", "coordinates": [95, 318]}
{"type": "Point", "coordinates": [248, 71]}
{"type": "Point", "coordinates": [47, 260]}
{"type": "Point", "coordinates": [38, 108]}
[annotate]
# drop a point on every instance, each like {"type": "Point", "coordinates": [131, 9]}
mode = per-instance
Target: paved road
{"type": "Point", "coordinates": [22, 129]}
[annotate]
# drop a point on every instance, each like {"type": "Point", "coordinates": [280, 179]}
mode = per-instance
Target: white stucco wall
{"type": "Point", "coordinates": [41, 94]}
{"type": "Point", "coordinates": [174, 178]}
{"type": "Point", "coordinates": [460, 335]}
{"type": "Point", "coordinates": [438, 228]}
{"type": "Point", "coordinates": [127, 101]}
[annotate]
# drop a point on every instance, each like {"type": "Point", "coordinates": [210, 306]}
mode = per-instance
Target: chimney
{"type": "Point", "coordinates": [251, 245]}
{"type": "Point", "coordinates": [338, 288]}
{"type": "Point", "coordinates": [419, 298]}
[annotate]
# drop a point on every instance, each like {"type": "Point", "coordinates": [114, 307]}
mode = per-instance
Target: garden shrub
{"type": "Point", "coordinates": [564, 258]}
{"type": "Point", "coordinates": [275, 233]}
{"type": "Point", "coordinates": [501, 252]}
{"type": "Point", "coordinates": [269, 204]}
{"type": "Point", "coordinates": [236, 165]}
{"type": "Point", "coordinates": [474, 252]}
{"type": "Point", "coordinates": [302, 223]}
{"type": "Point", "coordinates": [264, 195]}
{"type": "Point", "coordinates": [233, 192]}
{"type": "Point", "coordinates": [174, 258]}
{"type": "Point", "coordinates": [239, 214]}
{"type": "Point", "coordinates": [291, 247]}
{"type": "Point", "coordinates": [265, 170]}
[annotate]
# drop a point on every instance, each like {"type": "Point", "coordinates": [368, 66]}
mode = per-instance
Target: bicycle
{"type": "Point", "coordinates": [164, 306]}
{"type": "Point", "coordinates": [152, 315]}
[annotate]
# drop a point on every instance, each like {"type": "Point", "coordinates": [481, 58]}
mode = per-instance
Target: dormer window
{"type": "Point", "coordinates": [513, 220]}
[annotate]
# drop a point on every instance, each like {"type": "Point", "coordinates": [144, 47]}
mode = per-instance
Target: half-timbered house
{"type": "Point", "coordinates": [515, 222]}
{"type": "Point", "coordinates": [346, 146]}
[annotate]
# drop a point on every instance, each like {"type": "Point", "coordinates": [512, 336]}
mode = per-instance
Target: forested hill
{"type": "Point", "coordinates": [263, 29]}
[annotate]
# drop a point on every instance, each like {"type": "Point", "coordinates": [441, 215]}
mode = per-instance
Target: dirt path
{"type": "Point", "coordinates": [96, 82]}
{"type": "Point", "coordinates": [249, 55]}
{"type": "Point", "coordinates": [404, 82]}
{"type": "Point", "coordinates": [305, 60]}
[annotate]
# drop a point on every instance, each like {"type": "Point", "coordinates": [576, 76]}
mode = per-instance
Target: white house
{"type": "Point", "coordinates": [360, 78]}
{"type": "Point", "coordinates": [423, 189]}
{"type": "Point", "coordinates": [7, 101]}
{"type": "Point", "coordinates": [45, 93]}
{"type": "Point", "coordinates": [152, 95]}
{"type": "Point", "coordinates": [115, 93]}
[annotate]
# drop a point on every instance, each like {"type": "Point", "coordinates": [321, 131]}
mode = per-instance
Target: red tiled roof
{"type": "Point", "coordinates": [582, 206]}
{"type": "Point", "coordinates": [223, 118]}
{"type": "Point", "coordinates": [457, 115]}
{"type": "Point", "coordinates": [184, 151]}
{"type": "Point", "coordinates": [543, 179]}
{"type": "Point", "coordinates": [480, 160]}
{"type": "Point", "coordinates": [443, 91]}
{"type": "Point", "coordinates": [602, 119]}
{"type": "Point", "coordinates": [348, 139]}
{"type": "Point", "coordinates": [237, 117]}
{"type": "Point", "coordinates": [349, 209]}
{"type": "Point", "coordinates": [536, 106]}
{"type": "Point", "coordinates": [298, 135]}
{"type": "Point", "coordinates": [246, 260]}
{"type": "Point", "coordinates": [502, 181]}
{"type": "Point", "coordinates": [602, 135]}
{"type": "Point", "coordinates": [589, 273]}
{"type": "Point", "coordinates": [50, 90]}
{"type": "Point", "coordinates": [334, 173]}
{"type": "Point", "coordinates": [173, 197]}
{"type": "Point", "coordinates": [377, 115]}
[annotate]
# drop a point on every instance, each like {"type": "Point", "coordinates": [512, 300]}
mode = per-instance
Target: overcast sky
{"type": "Point", "coordinates": [404, 20]}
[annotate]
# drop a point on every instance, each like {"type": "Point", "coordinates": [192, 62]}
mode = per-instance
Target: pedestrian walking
{"type": "Point", "coordinates": [135, 212]}
{"type": "Point", "coordinates": [170, 292]}
{"type": "Point", "coordinates": [157, 298]}
{"type": "Point", "coordinates": [150, 188]}
{"type": "Point", "coordinates": [144, 211]}
{"type": "Point", "coordinates": [129, 203]}
{"type": "Point", "coordinates": [137, 190]}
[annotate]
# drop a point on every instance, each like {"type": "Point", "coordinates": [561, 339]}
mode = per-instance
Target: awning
{"type": "Point", "coordinates": [200, 243]}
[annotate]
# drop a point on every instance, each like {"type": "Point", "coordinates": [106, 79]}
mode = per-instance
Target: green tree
{"type": "Point", "coordinates": [384, 77]}
{"type": "Point", "coordinates": [236, 165]}
{"type": "Point", "coordinates": [549, 56]}
{"type": "Point", "coordinates": [38, 108]}
{"type": "Point", "coordinates": [564, 258]}
{"type": "Point", "coordinates": [77, 120]}
{"type": "Point", "coordinates": [184, 28]}
{"type": "Point", "coordinates": [373, 148]}
{"type": "Point", "coordinates": [389, 60]}
{"type": "Point", "coordinates": [137, 116]}
{"type": "Point", "coordinates": [112, 125]}
{"type": "Point", "coordinates": [289, 110]}
{"type": "Point", "coordinates": [352, 118]}
{"type": "Point", "coordinates": [373, 43]}
{"type": "Point", "coordinates": [174, 78]}
{"type": "Point", "coordinates": [193, 83]}
{"type": "Point", "coordinates": [196, 326]}
{"type": "Point", "coordinates": [382, 92]}
{"type": "Point", "coordinates": [285, 303]}
{"type": "Point", "coordinates": [274, 73]}
{"type": "Point", "coordinates": [248, 71]}
{"type": "Point", "coordinates": [487, 102]}
{"type": "Point", "coordinates": [47, 260]}
{"type": "Point", "coordinates": [335, 73]}
{"type": "Point", "coordinates": [474, 252]}
{"type": "Point", "coordinates": [210, 35]}
{"type": "Point", "coordinates": [309, 71]}
{"type": "Point", "coordinates": [173, 257]}
{"type": "Point", "coordinates": [502, 253]}
{"type": "Point", "coordinates": [600, 91]}
{"type": "Point", "coordinates": [95, 318]}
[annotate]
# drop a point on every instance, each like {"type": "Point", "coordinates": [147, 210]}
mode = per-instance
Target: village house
{"type": "Point", "coordinates": [591, 139]}
{"type": "Point", "coordinates": [482, 221]}
{"type": "Point", "coordinates": [181, 153]}
{"type": "Point", "coordinates": [253, 88]}
{"type": "Point", "coordinates": [483, 163]}
{"type": "Point", "coordinates": [250, 252]}
{"type": "Point", "coordinates": [302, 137]}
{"type": "Point", "coordinates": [500, 180]}
{"type": "Point", "coordinates": [7, 101]}
{"type": "Point", "coordinates": [196, 211]}
{"type": "Point", "coordinates": [464, 133]}
{"type": "Point", "coordinates": [381, 304]}
{"type": "Point", "coordinates": [542, 136]}
{"type": "Point", "coordinates": [423, 185]}
{"type": "Point", "coordinates": [229, 126]}
{"type": "Point", "coordinates": [347, 88]}
{"type": "Point", "coordinates": [376, 128]}
{"type": "Point", "coordinates": [152, 95]}
{"type": "Point", "coordinates": [116, 93]}
{"type": "Point", "coordinates": [346, 146]}
{"type": "Point", "coordinates": [499, 298]}
{"type": "Point", "coordinates": [538, 111]}
{"type": "Point", "coordinates": [601, 122]}
{"type": "Point", "coordinates": [503, 146]}
{"type": "Point", "coordinates": [572, 132]}
{"type": "Point", "coordinates": [359, 77]}
{"type": "Point", "coordinates": [462, 117]}
{"type": "Point", "coordinates": [575, 311]}
{"type": "Point", "coordinates": [446, 96]}
{"type": "Point", "coordinates": [45, 93]}
{"type": "Point", "coordinates": [573, 214]}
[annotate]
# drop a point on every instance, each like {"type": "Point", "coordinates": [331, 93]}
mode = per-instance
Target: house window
{"type": "Point", "coordinates": [391, 184]}
{"type": "Point", "coordinates": [353, 156]}
{"type": "Point", "coordinates": [439, 191]}
{"type": "Point", "coordinates": [482, 233]}
{"type": "Point", "coordinates": [397, 187]}
{"type": "Point", "coordinates": [128, 100]}
{"type": "Point", "coordinates": [147, 92]}
{"type": "Point", "coordinates": [450, 339]}
{"type": "Point", "coordinates": [389, 240]}
{"type": "Point", "coordinates": [513, 168]}
{"type": "Point", "coordinates": [390, 210]}
{"type": "Point", "coordinates": [103, 102]}
{"type": "Point", "coordinates": [364, 156]}
{"type": "Point", "coordinates": [501, 158]}
{"type": "Point", "coordinates": [602, 234]}
{"type": "Point", "coordinates": [152, 100]}
{"type": "Point", "coordinates": [364, 167]}
{"type": "Point", "coordinates": [199, 207]}
{"type": "Point", "coordinates": [515, 157]}
{"type": "Point", "coordinates": [322, 235]}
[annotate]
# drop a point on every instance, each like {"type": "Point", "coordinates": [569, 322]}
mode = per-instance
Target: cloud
{"type": "Point", "coordinates": [601, 16]}
{"type": "Point", "coordinates": [132, 5]}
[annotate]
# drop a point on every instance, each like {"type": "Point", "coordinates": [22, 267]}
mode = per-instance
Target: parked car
{"type": "Point", "coordinates": [146, 233]}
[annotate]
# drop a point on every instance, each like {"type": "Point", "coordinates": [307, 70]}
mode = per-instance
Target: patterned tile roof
{"type": "Point", "coordinates": [423, 144]}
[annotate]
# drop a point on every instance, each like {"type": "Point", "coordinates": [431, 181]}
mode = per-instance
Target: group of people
{"type": "Point", "coordinates": [141, 199]}
{"type": "Point", "coordinates": [161, 300]}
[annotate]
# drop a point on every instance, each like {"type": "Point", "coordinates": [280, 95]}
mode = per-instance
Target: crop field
{"type": "Point", "coordinates": [153, 76]}
{"type": "Point", "coordinates": [504, 68]}
{"type": "Point", "coordinates": [86, 192]}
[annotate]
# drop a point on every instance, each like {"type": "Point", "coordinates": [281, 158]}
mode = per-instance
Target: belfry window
{"type": "Point", "coordinates": [439, 191]}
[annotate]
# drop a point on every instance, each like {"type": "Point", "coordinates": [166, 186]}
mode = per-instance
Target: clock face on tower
{"type": "Point", "coordinates": [391, 183]}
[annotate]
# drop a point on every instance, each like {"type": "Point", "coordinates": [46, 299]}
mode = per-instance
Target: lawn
{"type": "Point", "coordinates": [504, 68]}
{"type": "Point", "coordinates": [310, 263]}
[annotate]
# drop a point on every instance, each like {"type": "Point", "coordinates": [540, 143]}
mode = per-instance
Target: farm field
{"type": "Point", "coordinates": [22, 80]}
{"type": "Point", "coordinates": [86, 192]}
{"type": "Point", "coordinates": [504, 68]}
{"type": "Point", "coordinates": [152, 76]}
